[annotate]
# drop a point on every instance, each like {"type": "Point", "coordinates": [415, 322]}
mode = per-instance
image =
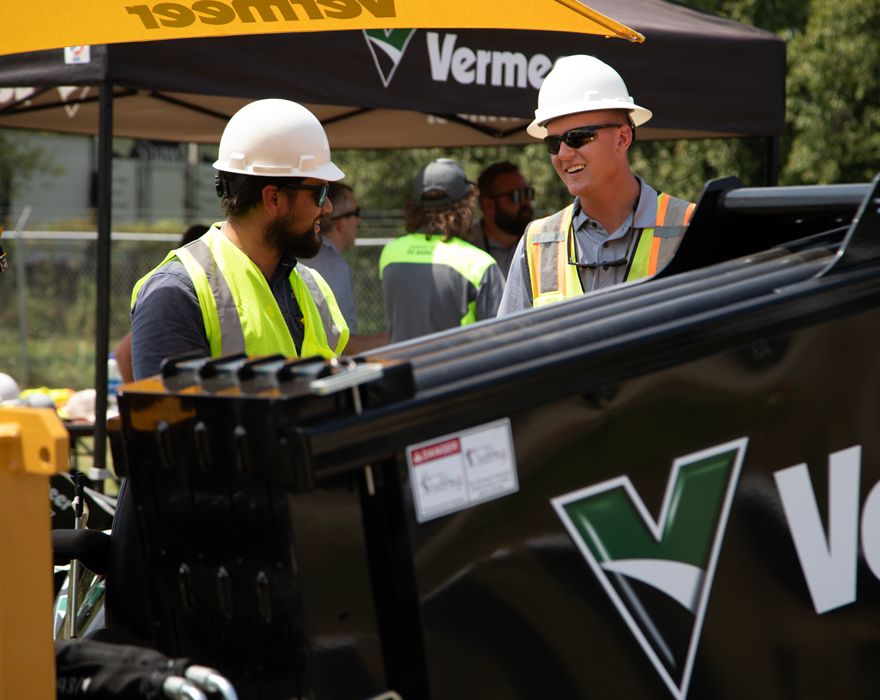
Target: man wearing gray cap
{"type": "Point", "coordinates": [618, 228]}
{"type": "Point", "coordinates": [432, 279]}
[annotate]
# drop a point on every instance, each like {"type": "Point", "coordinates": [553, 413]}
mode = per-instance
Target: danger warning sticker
{"type": "Point", "coordinates": [454, 472]}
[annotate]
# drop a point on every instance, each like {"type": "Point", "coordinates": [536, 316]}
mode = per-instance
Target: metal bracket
{"type": "Point", "coordinates": [862, 241]}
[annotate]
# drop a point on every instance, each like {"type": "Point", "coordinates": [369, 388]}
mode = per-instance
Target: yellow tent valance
{"type": "Point", "coordinates": [30, 25]}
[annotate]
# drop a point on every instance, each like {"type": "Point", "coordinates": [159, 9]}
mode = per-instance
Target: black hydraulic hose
{"type": "Point", "coordinates": [585, 335]}
{"type": "Point", "coordinates": [518, 323]}
{"type": "Point", "coordinates": [652, 295]}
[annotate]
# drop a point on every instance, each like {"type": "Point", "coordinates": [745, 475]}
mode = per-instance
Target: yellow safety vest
{"type": "Point", "coordinates": [240, 311]}
{"type": "Point", "coordinates": [547, 241]}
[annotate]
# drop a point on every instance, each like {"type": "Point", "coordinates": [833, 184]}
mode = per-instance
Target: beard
{"type": "Point", "coordinates": [292, 235]}
{"type": "Point", "coordinates": [514, 224]}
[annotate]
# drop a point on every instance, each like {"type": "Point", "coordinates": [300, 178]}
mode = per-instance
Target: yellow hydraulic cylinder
{"type": "Point", "coordinates": [33, 445]}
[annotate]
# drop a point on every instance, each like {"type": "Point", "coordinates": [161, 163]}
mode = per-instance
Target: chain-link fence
{"type": "Point", "coordinates": [47, 296]}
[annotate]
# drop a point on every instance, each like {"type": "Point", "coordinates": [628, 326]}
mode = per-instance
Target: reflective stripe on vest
{"type": "Point", "coordinates": [244, 316]}
{"type": "Point", "coordinates": [553, 279]}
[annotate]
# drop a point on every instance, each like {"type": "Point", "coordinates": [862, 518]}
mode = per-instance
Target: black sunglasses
{"type": "Point", "coordinates": [319, 190]}
{"type": "Point", "coordinates": [575, 138]}
{"type": "Point", "coordinates": [516, 196]}
{"type": "Point", "coordinates": [356, 212]}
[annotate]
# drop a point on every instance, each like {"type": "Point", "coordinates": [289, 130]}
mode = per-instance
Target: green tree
{"type": "Point", "coordinates": [20, 161]}
{"type": "Point", "coordinates": [834, 94]}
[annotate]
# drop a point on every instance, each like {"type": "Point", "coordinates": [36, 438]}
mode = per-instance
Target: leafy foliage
{"type": "Point", "coordinates": [834, 94]}
{"type": "Point", "coordinates": [20, 161]}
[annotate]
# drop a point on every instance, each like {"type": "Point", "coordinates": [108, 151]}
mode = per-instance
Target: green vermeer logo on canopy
{"type": "Point", "coordinates": [387, 47]}
{"type": "Point", "coordinates": [659, 573]}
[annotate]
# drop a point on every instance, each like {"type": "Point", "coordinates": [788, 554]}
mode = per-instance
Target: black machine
{"type": "Point", "coordinates": [665, 489]}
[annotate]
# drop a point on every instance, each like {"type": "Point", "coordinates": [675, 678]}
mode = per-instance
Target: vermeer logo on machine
{"type": "Point", "coordinates": [659, 573]}
{"type": "Point", "coordinates": [175, 15]}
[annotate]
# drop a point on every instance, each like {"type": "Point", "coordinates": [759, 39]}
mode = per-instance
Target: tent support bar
{"type": "Point", "coordinates": [102, 333]}
{"type": "Point", "coordinates": [11, 108]}
{"type": "Point", "coordinates": [56, 105]}
{"type": "Point", "coordinates": [488, 130]}
{"type": "Point", "coordinates": [192, 107]}
{"type": "Point", "coordinates": [347, 115]}
{"type": "Point", "coordinates": [772, 161]}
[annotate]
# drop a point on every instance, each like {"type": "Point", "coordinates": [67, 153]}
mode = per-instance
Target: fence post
{"type": "Point", "coordinates": [20, 267]}
{"type": "Point", "coordinates": [102, 333]}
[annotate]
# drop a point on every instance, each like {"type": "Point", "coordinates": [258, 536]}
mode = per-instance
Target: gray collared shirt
{"type": "Point", "coordinates": [594, 244]}
{"type": "Point", "coordinates": [503, 256]}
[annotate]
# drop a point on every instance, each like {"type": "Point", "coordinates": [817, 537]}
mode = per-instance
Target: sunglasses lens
{"type": "Point", "coordinates": [552, 143]}
{"type": "Point", "coordinates": [573, 139]}
{"type": "Point", "coordinates": [578, 137]}
{"type": "Point", "coordinates": [521, 195]}
{"type": "Point", "coordinates": [322, 194]}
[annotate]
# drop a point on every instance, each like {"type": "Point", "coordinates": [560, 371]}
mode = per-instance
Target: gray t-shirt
{"type": "Point", "coordinates": [594, 244]}
{"type": "Point", "coordinates": [337, 273]}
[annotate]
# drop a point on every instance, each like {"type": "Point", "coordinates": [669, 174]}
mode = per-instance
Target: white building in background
{"type": "Point", "coordinates": [151, 181]}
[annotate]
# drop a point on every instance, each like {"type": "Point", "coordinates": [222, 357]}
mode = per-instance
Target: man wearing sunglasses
{"type": "Point", "coordinates": [618, 228]}
{"type": "Point", "coordinates": [338, 233]}
{"type": "Point", "coordinates": [239, 287]}
{"type": "Point", "coordinates": [506, 200]}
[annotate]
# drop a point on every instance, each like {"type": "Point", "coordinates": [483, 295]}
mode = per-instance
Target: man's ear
{"type": "Point", "coordinates": [271, 196]}
{"type": "Point", "coordinates": [625, 138]}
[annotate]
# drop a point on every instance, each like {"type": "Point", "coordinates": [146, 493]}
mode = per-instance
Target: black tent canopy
{"type": "Point", "coordinates": [701, 75]}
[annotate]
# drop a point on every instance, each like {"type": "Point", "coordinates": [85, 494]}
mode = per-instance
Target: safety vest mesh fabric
{"type": "Point", "coordinates": [466, 259]}
{"type": "Point", "coordinates": [553, 279]}
{"type": "Point", "coordinates": [244, 316]}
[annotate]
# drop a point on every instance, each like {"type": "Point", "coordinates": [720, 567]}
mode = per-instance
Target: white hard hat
{"type": "Point", "coordinates": [276, 138]}
{"type": "Point", "coordinates": [9, 389]}
{"type": "Point", "coordinates": [582, 84]}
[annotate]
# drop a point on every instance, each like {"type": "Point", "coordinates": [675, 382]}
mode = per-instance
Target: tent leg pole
{"type": "Point", "coordinates": [102, 333]}
{"type": "Point", "coordinates": [772, 161]}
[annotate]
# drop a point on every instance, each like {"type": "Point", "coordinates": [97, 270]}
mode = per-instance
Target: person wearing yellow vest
{"type": "Point", "coordinates": [432, 279]}
{"type": "Point", "coordinates": [618, 228]}
{"type": "Point", "coordinates": [239, 288]}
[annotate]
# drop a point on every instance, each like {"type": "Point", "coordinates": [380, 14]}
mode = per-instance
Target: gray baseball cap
{"type": "Point", "coordinates": [444, 175]}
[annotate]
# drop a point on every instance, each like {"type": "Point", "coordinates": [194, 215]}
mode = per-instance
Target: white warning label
{"type": "Point", "coordinates": [455, 472]}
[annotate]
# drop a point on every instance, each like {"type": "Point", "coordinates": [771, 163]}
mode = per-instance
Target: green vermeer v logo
{"type": "Point", "coordinates": [659, 573]}
{"type": "Point", "coordinates": [387, 47]}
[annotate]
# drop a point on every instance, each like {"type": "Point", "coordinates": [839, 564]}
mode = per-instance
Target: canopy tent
{"type": "Point", "coordinates": [701, 75]}
{"type": "Point", "coordinates": [53, 24]}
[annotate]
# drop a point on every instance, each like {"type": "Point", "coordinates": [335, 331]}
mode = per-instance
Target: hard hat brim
{"type": "Point", "coordinates": [538, 128]}
{"type": "Point", "coordinates": [328, 171]}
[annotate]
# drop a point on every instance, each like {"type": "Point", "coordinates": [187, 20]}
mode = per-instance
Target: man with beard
{"type": "Point", "coordinates": [506, 201]}
{"type": "Point", "coordinates": [239, 288]}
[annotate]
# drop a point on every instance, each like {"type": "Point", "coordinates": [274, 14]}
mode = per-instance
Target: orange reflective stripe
{"type": "Point", "coordinates": [535, 269]}
{"type": "Point", "coordinates": [687, 214]}
{"type": "Point", "coordinates": [661, 209]}
{"type": "Point", "coordinates": [561, 264]}
{"type": "Point", "coordinates": [655, 254]}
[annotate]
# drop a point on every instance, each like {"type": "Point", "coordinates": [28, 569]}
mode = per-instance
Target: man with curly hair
{"type": "Point", "coordinates": [433, 279]}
